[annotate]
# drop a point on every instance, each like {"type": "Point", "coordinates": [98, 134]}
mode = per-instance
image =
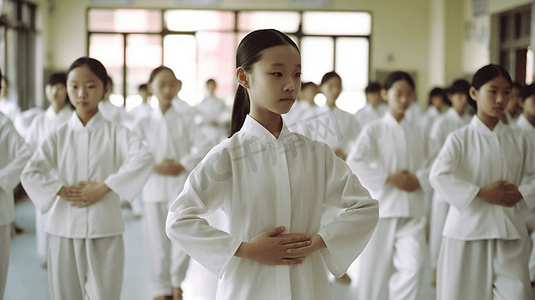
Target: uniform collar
{"type": "Point", "coordinates": [95, 123]}
{"type": "Point", "coordinates": [255, 130]}
{"type": "Point", "coordinates": [524, 124]}
{"type": "Point", "coordinates": [170, 114]}
{"type": "Point", "coordinates": [390, 120]}
{"type": "Point", "coordinates": [61, 114]}
{"type": "Point", "coordinates": [479, 126]}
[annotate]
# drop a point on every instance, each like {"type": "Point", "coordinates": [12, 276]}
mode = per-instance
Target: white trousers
{"type": "Point", "coordinates": [439, 212]}
{"type": "Point", "coordinates": [88, 269]}
{"type": "Point", "coordinates": [168, 262]}
{"type": "Point", "coordinates": [5, 244]}
{"type": "Point", "coordinates": [41, 235]}
{"type": "Point", "coordinates": [483, 270]}
{"type": "Point", "coordinates": [392, 264]}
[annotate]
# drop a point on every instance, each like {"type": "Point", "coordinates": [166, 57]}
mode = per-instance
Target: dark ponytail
{"type": "Point", "coordinates": [248, 53]}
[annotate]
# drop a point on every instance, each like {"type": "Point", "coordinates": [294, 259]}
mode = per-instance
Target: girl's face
{"type": "Point", "coordinates": [459, 101]}
{"type": "Point", "coordinates": [399, 97]}
{"type": "Point", "coordinates": [332, 89]}
{"type": "Point", "coordinates": [438, 102]}
{"type": "Point", "coordinates": [274, 81]}
{"type": "Point", "coordinates": [165, 87]}
{"type": "Point", "coordinates": [56, 94]}
{"type": "Point", "coordinates": [85, 89]}
{"type": "Point", "coordinates": [492, 97]}
{"type": "Point", "coordinates": [514, 100]}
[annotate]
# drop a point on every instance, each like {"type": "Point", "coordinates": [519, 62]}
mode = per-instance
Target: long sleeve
{"type": "Point", "coordinates": [527, 187]}
{"type": "Point", "coordinates": [362, 154]}
{"type": "Point", "coordinates": [456, 191]}
{"type": "Point", "coordinates": [203, 192]}
{"type": "Point", "coordinates": [136, 168]}
{"type": "Point", "coordinates": [38, 179]}
{"type": "Point", "coordinates": [346, 236]}
{"type": "Point", "coordinates": [17, 154]}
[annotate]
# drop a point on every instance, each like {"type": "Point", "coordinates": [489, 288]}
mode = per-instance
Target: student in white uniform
{"type": "Point", "coordinates": [57, 114]}
{"type": "Point", "coordinates": [486, 172]}
{"type": "Point", "coordinates": [8, 107]}
{"type": "Point", "coordinates": [79, 173]}
{"type": "Point", "coordinates": [513, 109]}
{"type": "Point", "coordinates": [272, 184]}
{"type": "Point", "coordinates": [454, 118]}
{"type": "Point", "coordinates": [526, 124]}
{"type": "Point", "coordinates": [174, 144]}
{"type": "Point", "coordinates": [214, 115]}
{"type": "Point", "coordinates": [335, 127]}
{"type": "Point", "coordinates": [144, 109]}
{"type": "Point", "coordinates": [438, 104]}
{"type": "Point", "coordinates": [302, 108]}
{"type": "Point", "coordinates": [110, 112]}
{"type": "Point", "coordinates": [389, 157]}
{"type": "Point", "coordinates": [375, 107]}
{"type": "Point", "coordinates": [13, 156]}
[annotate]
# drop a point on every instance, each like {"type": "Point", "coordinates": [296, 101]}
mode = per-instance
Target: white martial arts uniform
{"type": "Point", "coordinates": [333, 126]}
{"type": "Point", "coordinates": [444, 124]}
{"type": "Point", "coordinates": [263, 182]}
{"type": "Point", "coordinates": [414, 113]}
{"type": "Point", "coordinates": [41, 126]}
{"type": "Point", "coordinates": [214, 117]}
{"type": "Point", "coordinates": [86, 251]}
{"type": "Point", "coordinates": [183, 108]}
{"type": "Point", "coordinates": [368, 114]}
{"type": "Point", "coordinates": [168, 136]}
{"type": "Point", "coordinates": [510, 118]}
{"type": "Point", "coordinates": [13, 156]}
{"type": "Point", "coordinates": [391, 266]}
{"type": "Point", "coordinates": [114, 114]}
{"type": "Point", "coordinates": [301, 110]}
{"type": "Point", "coordinates": [9, 108]}
{"type": "Point", "coordinates": [529, 130]}
{"type": "Point", "coordinates": [482, 254]}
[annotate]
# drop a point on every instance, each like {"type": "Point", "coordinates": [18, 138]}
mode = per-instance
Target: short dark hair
{"type": "Point", "coordinates": [60, 77]}
{"type": "Point", "coordinates": [142, 87]}
{"type": "Point", "coordinates": [440, 92]}
{"type": "Point", "coordinates": [96, 67]}
{"type": "Point", "coordinates": [373, 87]}
{"type": "Point", "coordinates": [526, 91]}
{"type": "Point", "coordinates": [158, 70]}
{"type": "Point", "coordinates": [328, 76]}
{"type": "Point", "coordinates": [397, 76]}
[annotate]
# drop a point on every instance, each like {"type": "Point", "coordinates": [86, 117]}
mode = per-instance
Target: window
{"type": "Point", "coordinates": [516, 56]}
{"type": "Point", "coordinates": [201, 44]}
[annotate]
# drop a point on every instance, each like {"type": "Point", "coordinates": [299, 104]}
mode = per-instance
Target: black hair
{"type": "Point", "coordinates": [437, 91]}
{"type": "Point", "coordinates": [486, 74]}
{"type": "Point", "coordinates": [397, 76]}
{"type": "Point", "coordinates": [328, 76]}
{"type": "Point", "coordinates": [248, 53]}
{"type": "Point", "coordinates": [460, 86]}
{"type": "Point", "coordinates": [526, 91]}
{"type": "Point", "coordinates": [142, 87]}
{"type": "Point", "coordinates": [517, 85]}
{"type": "Point", "coordinates": [158, 70]}
{"type": "Point", "coordinates": [94, 65]}
{"type": "Point", "coordinates": [211, 80]}
{"type": "Point", "coordinates": [55, 78]}
{"type": "Point", "coordinates": [307, 84]}
{"type": "Point", "coordinates": [373, 87]}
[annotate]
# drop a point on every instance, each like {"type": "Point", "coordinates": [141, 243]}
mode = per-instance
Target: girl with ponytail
{"type": "Point", "coordinates": [272, 184]}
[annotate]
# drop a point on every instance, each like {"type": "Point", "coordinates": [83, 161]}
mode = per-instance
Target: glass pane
{"type": "Point", "coordinates": [283, 21]}
{"type": "Point", "coordinates": [337, 23]}
{"type": "Point", "coordinates": [195, 20]}
{"type": "Point", "coordinates": [10, 10]}
{"type": "Point", "coordinates": [125, 20]}
{"type": "Point", "coordinates": [351, 101]}
{"type": "Point", "coordinates": [316, 57]}
{"type": "Point", "coordinates": [180, 55]}
{"type": "Point", "coordinates": [352, 62]}
{"type": "Point", "coordinates": [143, 54]}
{"type": "Point", "coordinates": [26, 15]}
{"type": "Point", "coordinates": [108, 49]}
{"type": "Point", "coordinates": [216, 60]}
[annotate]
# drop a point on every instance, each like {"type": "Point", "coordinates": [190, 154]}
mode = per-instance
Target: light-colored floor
{"type": "Point", "coordinates": [28, 281]}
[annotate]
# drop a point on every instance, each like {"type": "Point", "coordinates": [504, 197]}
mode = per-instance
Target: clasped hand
{"type": "Point", "coordinates": [273, 247]}
{"type": "Point", "coordinates": [501, 193]}
{"type": "Point", "coordinates": [404, 180]}
{"type": "Point", "coordinates": [84, 193]}
{"type": "Point", "coordinates": [169, 167]}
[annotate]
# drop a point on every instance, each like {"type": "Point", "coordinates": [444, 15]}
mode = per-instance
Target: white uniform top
{"type": "Point", "coordinates": [139, 112]}
{"type": "Point", "coordinates": [213, 109]}
{"type": "Point", "coordinates": [300, 111]}
{"type": "Point", "coordinates": [13, 156]}
{"type": "Point", "coordinates": [526, 127]}
{"type": "Point", "coordinates": [368, 114]}
{"type": "Point", "coordinates": [114, 114]}
{"type": "Point", "coordinates": [474, 157]}
{"type": "Point", "coordinates": [414, 113]}
{"type": "Point", "coordinates": [183, 108]}
{"type": "Point", "coordinates": [428, 118]}
{"type": "Point", "coordinates": [512, 119]}
{"type": "Point", "coordinates": [262, 182]}
{"type": "Point", "coordinates": [335, 127]}
{"type": "Point", "coordinates": [385, 147]}
{"type": "Point", "coordinates": [443, 125]}
{"type": "Point", "coordinates": [43, 124]}
{"type": "Point", "coordinates": [169, 136]}
{"type": "Point", "coordinates": [9, 108]}
{"type": "Point", "coordinates": [101, 152]}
